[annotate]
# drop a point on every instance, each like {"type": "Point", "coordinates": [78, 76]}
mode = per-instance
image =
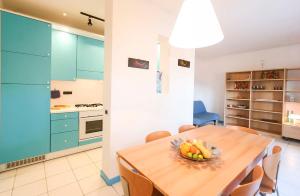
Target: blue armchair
{"type": "Point", "coordinates": [201, 116]}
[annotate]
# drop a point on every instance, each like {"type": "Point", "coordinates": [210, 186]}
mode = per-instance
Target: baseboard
{"type": "Point", "coordinates": [109, 181]}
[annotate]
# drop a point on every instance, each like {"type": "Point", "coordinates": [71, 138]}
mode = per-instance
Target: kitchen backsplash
{"type": "Point", "coordinates": [83, 92]}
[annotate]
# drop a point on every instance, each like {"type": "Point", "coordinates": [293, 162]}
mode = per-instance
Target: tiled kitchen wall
{"type": "Point", "coordinates": [83, 91]}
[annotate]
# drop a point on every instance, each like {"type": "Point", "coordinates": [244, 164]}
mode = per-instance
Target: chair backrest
{"type": "Point", "coordinates": [184, 128]}
{"type": "Point", "coordinates": [251, 188]}
{"type": "Point", "coordinates": [271, 167]}
{"type": "Point", "coordinates": [199, 107]}
{"type": "Point", "coordinates": [157, 135]}
{"type": "Point", "coordinates": [245, 129]}
{"type": "Point", "coordinates": [133, 183]}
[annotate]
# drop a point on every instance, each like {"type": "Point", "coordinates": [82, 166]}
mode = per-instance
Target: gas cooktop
{"type": "Point", "coordinates": [93, 105]}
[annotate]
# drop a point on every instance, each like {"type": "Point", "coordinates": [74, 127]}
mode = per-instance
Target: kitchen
{"type": "Point", "coordinates": [52, 79]}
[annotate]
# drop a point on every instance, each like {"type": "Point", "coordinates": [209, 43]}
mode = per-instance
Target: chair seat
{"type": "Point", "coordinates": [265, 189]}
{"type": "Point", "coordinates": [204, 118]}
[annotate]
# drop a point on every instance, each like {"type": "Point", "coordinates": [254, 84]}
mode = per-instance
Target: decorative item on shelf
{"type": "Point", "coordinates": [278, 88]}
{"type": "Point", "coordinates": [184, 63]}
{"type": "Point", "coordinates": [241, 85]}
{"type": "Point", "coordinates": [241, 106]}
{"type": "Point", "coordinates": [294, 118]}
{"type": "Point", "coordinates": [138, 63]}
{"type": "Point", "coordinates": [258, 87]}
{"type": "Point", "coordinates": [292, 99]}
{"type": "Point", "coordinates": [270, 75]}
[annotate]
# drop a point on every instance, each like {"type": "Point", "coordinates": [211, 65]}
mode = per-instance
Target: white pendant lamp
{"type": "Point", "coordinates": [197, 25]}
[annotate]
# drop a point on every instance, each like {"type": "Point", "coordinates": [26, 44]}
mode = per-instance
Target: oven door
{"type": "Point", "coordinates": [90, 127]}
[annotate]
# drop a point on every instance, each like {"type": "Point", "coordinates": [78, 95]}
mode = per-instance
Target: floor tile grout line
{"type": "Point", "coordinates": [46, 178]}
{"type": "Point", "coordinates": [26, 183]}
{"type": "Point", "coordinates": [77, 182]}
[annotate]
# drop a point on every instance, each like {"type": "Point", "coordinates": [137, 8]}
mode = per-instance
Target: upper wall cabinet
{"type": "Point", "coordinates": [63, 57]}
{"type": "Point", "coordinates": [24, 35]}
{"type": "Point", "coordinates": [90, 58]}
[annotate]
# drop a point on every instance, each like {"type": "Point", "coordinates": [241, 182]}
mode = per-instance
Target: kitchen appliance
{"type": "Point", "coordinates": [90, 122]}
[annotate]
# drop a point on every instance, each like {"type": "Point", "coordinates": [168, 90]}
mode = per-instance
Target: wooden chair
{"type": "Point", "coordinates": [157, 135]}
{"type": "Point", "coordinates": [271, 167]}
{"type": "Point", "coordinates": [133, 183]}
{"type": "Point", "coordinates": [252, 187]}
{"type": "Point", "coordinates": [184, 128]}
{"type": "Point", "coordinates": [245, 129]}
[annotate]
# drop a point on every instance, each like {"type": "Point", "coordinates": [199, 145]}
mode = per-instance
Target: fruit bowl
{"type": "Point", "coordinates": [195, 150]}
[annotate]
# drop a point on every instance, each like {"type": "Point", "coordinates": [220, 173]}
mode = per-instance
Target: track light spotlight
{"type": "Point", "coordinates": [90, 22]}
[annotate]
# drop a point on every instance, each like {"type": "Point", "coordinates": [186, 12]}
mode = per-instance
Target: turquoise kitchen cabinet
{"type": "Point", "coordinates": [63, 116]}
{"type": "Point", "coordinates": [92, 75]}
{"type": "Point", "coordinates": [59, 126]}
{"type": "Point", "coordinates": [25, 121]}
{"type": "Point", "coordinates": [90, 58]}
{"type": "Point", "coordinates": [24, 69]}
{"type": "Point", "coordinates": [24, 35]}
{"type": "Point", "coordinates": [64, 130]}
{"type": "Point", "coordinates": [63, 56]}
{"type": "Point", "coordinates": [61, 141]}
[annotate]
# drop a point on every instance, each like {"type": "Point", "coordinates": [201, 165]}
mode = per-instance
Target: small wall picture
{"type": "Point", "coordinates": [138, 63]}
{"type": "Point", "coordinates": [184, 63]}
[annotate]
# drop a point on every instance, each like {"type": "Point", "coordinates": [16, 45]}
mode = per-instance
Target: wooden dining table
{"type": "Point", "coordinates": [175, 176]}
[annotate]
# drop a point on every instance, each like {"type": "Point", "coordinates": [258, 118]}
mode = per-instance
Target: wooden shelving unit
{"type": "Point", "coordinates": [292, 103]}
{"type": "Point", "coordinates": [261, 93]}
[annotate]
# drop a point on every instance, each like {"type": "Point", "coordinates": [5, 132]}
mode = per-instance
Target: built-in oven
{"type": "Point", "coordinates": [90, 124]}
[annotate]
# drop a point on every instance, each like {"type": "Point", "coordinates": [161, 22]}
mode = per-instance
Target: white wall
{"type": "Point", "coordinates": [210, 73]}
{"type": "Point", "coordinates": [133, 28]}
{"type": "Point", "coordinates": [83, 92]}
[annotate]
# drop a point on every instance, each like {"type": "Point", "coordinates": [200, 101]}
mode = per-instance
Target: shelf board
{"type": "Point", "coordinates": [254, 90]}
{"type": "Point", "coordinates": [238, 80]}
{"type": "Point", "coordinates": [261, 80]}
{"type": "Point", "coordinates": [267, 111]}
{"type": "Point", "coordinates": [237, 117]}
{"type": "Point", "coordinates": [246, 90]}
{"type": "Point", "coordinates": [267, 122]}
{"type": "Point", "coordinates": [293, 79]}
{"type": "Point", "coordinates": [292, 102]}
{"type": "Point", "coordinates": [292, 91]}
{"type": "Point", "coordinates": [268, 101]}
{"type": "Point", "coordinates": [291, 124]}
{"type": "Point", "coordinates": [268, 131]}
{"type": "Point", "coordinates": [233, 108]}
{"type": "Point", "coordinates": [234, 99]}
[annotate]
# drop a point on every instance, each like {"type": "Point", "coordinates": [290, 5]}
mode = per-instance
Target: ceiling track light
{"type": "Point", "coordinates": [90, 17]}
{"type": "Point", "coordinates": [90, 22]}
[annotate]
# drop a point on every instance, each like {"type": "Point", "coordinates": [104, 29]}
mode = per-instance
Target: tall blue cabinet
{"type": "Point", "coordinates": [25, 93]}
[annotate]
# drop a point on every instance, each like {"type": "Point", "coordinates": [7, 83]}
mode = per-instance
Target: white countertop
{"type": "Point", "coordinates": [75, 109]}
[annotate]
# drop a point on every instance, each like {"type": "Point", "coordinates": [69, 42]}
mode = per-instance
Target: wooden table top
{"type": "Point", "coordinates": [173, 175]}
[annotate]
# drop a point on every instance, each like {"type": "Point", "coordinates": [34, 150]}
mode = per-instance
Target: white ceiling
{"type": "Point", "coordinates": [250, 24]}
{"type": "Point", "coordinates": [247, 24]}
{"type": "Point", "coordinates": [52, 10]}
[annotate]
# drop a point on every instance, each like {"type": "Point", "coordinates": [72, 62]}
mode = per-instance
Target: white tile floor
{"type": "Point", "coordinates": [74, 175]}
{"type": "Point", "coordinates": [78, 174]}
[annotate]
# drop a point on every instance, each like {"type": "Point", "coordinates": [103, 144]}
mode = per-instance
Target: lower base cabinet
{"type": "Point", "coordinates": [24, 121]}
{"type": "Point", "coordinates": [61, 141]}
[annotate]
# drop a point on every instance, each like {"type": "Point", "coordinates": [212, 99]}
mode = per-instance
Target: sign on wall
{"type": "Point", "coordinates": [138, 63]}
{"type": "Point", "coordinates": [184, 63]}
